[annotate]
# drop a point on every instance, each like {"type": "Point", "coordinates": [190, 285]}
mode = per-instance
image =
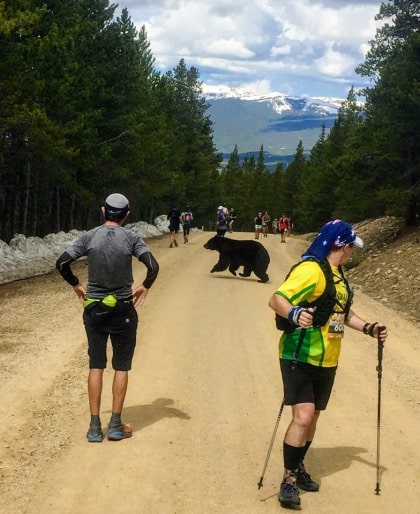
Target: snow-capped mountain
{"type": "Point", "coordinates": [275, 120]}
{"type": "Point", "coordinates": [280, 102]}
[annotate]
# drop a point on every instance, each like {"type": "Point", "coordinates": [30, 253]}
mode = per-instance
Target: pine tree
{"type": "Point", "coordinates": [293, 182]}
{"type": "Point", "coordinates": [405, 17]}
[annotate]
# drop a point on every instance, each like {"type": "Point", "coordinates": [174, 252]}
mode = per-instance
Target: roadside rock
{"type": "Point", "coordinates": [388, 267]}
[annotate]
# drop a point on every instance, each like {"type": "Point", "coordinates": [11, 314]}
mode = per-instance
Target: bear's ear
{"type": "Point", "coordinates": [210, 244]}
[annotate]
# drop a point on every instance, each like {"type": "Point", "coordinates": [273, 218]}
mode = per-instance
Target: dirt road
{"type": "Point", "coordinates": [203, 398]}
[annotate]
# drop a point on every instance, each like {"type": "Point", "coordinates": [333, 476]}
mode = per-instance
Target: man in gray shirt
{"type": "Point", "coordinates": [110, 304]}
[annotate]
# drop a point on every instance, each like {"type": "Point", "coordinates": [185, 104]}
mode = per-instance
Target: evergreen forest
{"type": "Point", "coordinates": [84, 112]}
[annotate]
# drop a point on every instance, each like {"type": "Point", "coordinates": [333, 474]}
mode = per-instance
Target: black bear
{"type": "Point", "coordinates": [233, 253]}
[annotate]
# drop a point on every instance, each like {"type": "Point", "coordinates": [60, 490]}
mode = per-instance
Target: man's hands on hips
{"type": "Point", "coordinates": [80, 292]}
{"type": "Point", "coordinates": [139, 296]}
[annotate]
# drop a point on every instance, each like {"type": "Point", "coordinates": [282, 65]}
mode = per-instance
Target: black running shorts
{"type": "Point", "coordinates": [304, 383]}
{"type": "Point", "coordinates": [120, 325]}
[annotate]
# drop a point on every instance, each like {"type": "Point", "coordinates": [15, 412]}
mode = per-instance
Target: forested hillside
{"type": "Point", "coordinates": [83, 112]}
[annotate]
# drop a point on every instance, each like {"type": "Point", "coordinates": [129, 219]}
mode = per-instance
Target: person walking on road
{"type": "Point", "coordinates": [232, 217]}
{"type": "Point", "coordinates": [275, 225]}
{"type": "Point", "coordinates": [186, 220]}
{"type": "Point", "coordinates": [284, 225]}
{"type": "Point", "coordinates": [110, 304]}
{"type": "Point", "coordinates": [174, 217]}
{"type": "Point", "coordinates": [258, 223]}
{"type": "Point", "coordinates": [312, 306]}
{"type": "Point", "coordinates": [221, 221]}
{"type": "Point", "coordinates": [266, 222]}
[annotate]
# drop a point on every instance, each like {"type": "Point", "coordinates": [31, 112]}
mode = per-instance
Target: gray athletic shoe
{"type": "Point", "coordinates": [288, 495]}
{"type": "Point", "coordinates": [95, 435]}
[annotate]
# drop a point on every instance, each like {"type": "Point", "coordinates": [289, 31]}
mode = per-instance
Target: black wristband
{"type": "Point", "coordinates": [371, 329]}
{"type": "Point", "coordinates": [365, 328]}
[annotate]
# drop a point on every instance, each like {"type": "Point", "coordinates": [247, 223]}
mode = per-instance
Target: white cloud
{"type": "Point", "coordinates": [364, 48]}
{"type": "Point", "coordinates": [314, 22]}
{"type": "Point", "coordinates": [335, 64]}
{"type": "Point", "coordinates": [260, 87]}
{"type": "Point", "coordinates": [229, 47]}
{"type": "Point", "coordinates": [289, 43]}
{"type": "Point", "coordinates": [281, 50]}
{"type": "Point", "coordinates": [224, 65]}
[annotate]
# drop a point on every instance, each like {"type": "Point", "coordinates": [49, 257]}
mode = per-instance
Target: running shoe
{"type": "Point", "coordinates": [118, 433]}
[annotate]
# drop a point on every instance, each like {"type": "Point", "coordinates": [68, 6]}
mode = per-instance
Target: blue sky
{"type": "Point", "coordinates": [299, 47]}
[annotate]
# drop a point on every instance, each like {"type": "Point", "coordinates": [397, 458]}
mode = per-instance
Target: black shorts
{"type": "Point", "coordinates": [173, 227]}
{"type": "Point", "coordinates": [305, 383]}
{"type": "Point", "coordinates": [186, 229]}
{"type": "Point", "coordinates": [119, 323]}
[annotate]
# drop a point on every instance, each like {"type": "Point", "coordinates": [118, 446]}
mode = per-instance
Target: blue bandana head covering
{"type": "Point", "coordinates": [333, 235]}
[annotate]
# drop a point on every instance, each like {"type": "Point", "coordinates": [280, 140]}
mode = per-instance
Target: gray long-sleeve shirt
{"type": "Point", "coordinates": [109, 250]}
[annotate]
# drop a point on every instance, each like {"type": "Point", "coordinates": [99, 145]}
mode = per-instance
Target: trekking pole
{"type": "Point", "coordinates": [273, 437]}
{"type": "Point", "coordinates": [378, 424]}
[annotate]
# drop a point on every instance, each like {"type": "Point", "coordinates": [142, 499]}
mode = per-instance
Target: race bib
{"type": "Point", "coordinates": [336, 327]}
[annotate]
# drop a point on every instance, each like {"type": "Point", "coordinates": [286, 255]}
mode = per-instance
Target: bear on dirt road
{"type": "Point", "coordinates": [233, 253]}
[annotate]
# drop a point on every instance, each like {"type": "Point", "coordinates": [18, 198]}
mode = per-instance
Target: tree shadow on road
{"type": "Point", "coordinates": [141, 416]}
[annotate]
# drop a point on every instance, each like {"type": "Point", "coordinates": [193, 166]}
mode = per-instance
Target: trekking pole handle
{"type": "Point", "coordinates": [380, 350]}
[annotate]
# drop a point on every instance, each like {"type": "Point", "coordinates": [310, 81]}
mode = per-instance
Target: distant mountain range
{"type": "Point", "coordinates": [275, 120]}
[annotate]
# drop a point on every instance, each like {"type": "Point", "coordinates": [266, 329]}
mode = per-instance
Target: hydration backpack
{"type": "Point", "coordinates": [324, 304]}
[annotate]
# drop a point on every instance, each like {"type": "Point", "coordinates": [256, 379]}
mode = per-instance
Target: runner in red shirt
{"type": "Point", "coordinates": [284, 226]}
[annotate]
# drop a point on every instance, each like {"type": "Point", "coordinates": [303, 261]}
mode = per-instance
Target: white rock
{"type": "Point", "coordinates": [162, 223]}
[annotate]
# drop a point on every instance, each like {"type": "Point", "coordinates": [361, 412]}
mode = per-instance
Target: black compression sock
{"type": "Point", "coordinates": [304, 450]}
{"type": "Point", "coordinates": [291, 456]}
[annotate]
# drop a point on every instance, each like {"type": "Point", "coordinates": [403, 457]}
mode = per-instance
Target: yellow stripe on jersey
{"type": "Point", "coordinates": [321, 345]}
